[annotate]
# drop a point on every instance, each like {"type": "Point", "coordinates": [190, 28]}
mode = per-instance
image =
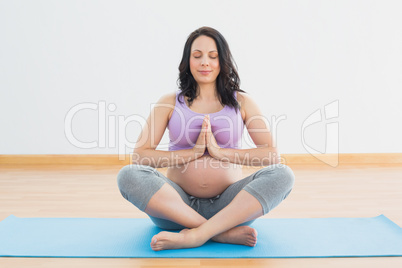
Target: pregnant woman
{"type": "Point", "coordinates": [204, 194]}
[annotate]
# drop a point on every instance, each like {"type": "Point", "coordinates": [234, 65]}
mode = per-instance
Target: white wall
{"type": "Point", "coordinates": [294, 57]}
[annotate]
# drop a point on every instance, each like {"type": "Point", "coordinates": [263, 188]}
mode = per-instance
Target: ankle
{"type": "Point", "coordinates": [199, 235]}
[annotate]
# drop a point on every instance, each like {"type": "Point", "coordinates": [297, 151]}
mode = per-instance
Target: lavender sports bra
{"type": "Point", "coordinates": [185, 126]}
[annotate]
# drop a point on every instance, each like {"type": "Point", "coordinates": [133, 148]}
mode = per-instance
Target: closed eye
{"type": "Point", "coordinates": [200, 57]}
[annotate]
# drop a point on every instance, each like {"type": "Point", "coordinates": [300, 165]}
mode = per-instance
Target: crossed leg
{"type": "Point", "coordinates": [256, 195]}
{"type": "Point", "coordinates": [167, 204]}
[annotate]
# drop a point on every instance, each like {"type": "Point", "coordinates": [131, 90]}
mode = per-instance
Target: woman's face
{"type": "Point", "coordinates": [204, 60]}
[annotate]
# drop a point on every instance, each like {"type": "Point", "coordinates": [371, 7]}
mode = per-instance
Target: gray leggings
{"type": "Point", "coordinates": [269, 185]}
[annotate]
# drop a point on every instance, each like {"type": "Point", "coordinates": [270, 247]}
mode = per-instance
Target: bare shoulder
{"type": "Point", "coordinates": [244, 98]}
{"type": "Point", "coordinates": [166, 104]}
{"type": "Point", "coordinates": [241, 96]}
{"type": "Point", "coordinates": [247, 104]}
{"type": "Point", "coordinates": [169, 98]}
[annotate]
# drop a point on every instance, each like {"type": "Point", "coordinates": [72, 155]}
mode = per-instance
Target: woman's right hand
{"type": "Point", "coordinates": [201, 144]}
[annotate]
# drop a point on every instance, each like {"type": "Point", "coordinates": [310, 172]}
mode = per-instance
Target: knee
{"type": "Point", "coordinates": [282, 175]}
{"type": "Point", "coordinates": [287, 176]}
{"type": "Point", "coordinates": [129, 175]}
{"type": "Point", "coordinates": [123, 177]}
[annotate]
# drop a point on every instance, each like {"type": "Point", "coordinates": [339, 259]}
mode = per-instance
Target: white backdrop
{"type": "Point", "coordinates": [116, 58]}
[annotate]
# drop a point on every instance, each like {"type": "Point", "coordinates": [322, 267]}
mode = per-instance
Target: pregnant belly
{"type": "Point", "coordinates": [205, 177]}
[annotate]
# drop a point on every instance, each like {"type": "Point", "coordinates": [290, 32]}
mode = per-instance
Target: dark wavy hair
{"type": "Point", "coordinates": [227, 82]}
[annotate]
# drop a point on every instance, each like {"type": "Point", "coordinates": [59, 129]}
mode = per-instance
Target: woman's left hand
{"type": "Point", "coordinates": [212, 145]}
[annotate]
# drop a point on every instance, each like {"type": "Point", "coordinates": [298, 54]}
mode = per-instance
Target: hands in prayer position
{"type": "Point", "coordinates": [206, 140]}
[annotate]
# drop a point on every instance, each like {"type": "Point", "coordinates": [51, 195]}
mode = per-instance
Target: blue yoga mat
{"type": "Point", "coordinates": [121, 238]}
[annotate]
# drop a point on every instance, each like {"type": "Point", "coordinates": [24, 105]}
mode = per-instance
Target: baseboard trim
{"type": "Point", "coordinates": [344, 159]}
{"type": "Point", "coordinates": [113, 159]}
{"type": "Point", "coordinates": [65, 159]}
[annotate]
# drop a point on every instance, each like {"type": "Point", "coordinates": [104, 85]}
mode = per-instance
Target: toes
{"type": "Point", "coordinates": [156, 248]}
{"type": "Point", "coordinates": [253, 232]}
{"type": "Point", "coordinates": [154, 244]}
{"type": "Point", "coordinates": [252, 241]}
{"type": "Point", "coordinates": [157, 242]}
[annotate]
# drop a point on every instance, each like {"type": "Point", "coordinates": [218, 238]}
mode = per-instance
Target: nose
{"type": "Point", "coordinates": [204, 61]}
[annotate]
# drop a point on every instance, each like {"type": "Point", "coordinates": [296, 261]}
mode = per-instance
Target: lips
{"type": "Point", "coordinates": [205, 72]}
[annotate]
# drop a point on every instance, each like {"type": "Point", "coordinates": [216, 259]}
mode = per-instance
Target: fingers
{"type": "Point", "coordinates": [209, 136]}
{"type": "Point", "coordinates": [207, 122]}
{"type": "Point", "coordinates": [206, 125]}
{"type": "Point", "coordinates": [202, 137]}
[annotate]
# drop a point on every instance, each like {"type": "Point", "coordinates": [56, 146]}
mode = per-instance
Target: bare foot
{"type": "Point", "coordinates": [242, 235]}
{"type": "Point", "coordinates": [187, 238]}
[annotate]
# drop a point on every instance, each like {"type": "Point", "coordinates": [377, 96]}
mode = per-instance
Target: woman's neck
{"type": "Point", "coordinates": [207, 92]}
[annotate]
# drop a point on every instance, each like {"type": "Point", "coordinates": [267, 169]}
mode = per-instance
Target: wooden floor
{"type": "Point", "coordinates": [91, 191]}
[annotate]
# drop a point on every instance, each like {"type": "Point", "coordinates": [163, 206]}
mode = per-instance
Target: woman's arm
{"type": "Point", "coordinates": [145, 152]}
{"type": "Point", "coordinates": [258, 129]}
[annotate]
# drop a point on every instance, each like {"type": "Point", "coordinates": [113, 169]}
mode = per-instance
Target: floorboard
{"type": "Point", "coordinates": [91, 191]}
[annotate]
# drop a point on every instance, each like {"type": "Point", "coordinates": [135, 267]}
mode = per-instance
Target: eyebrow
{"type": "Point", "coordinates": [201, 51]}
